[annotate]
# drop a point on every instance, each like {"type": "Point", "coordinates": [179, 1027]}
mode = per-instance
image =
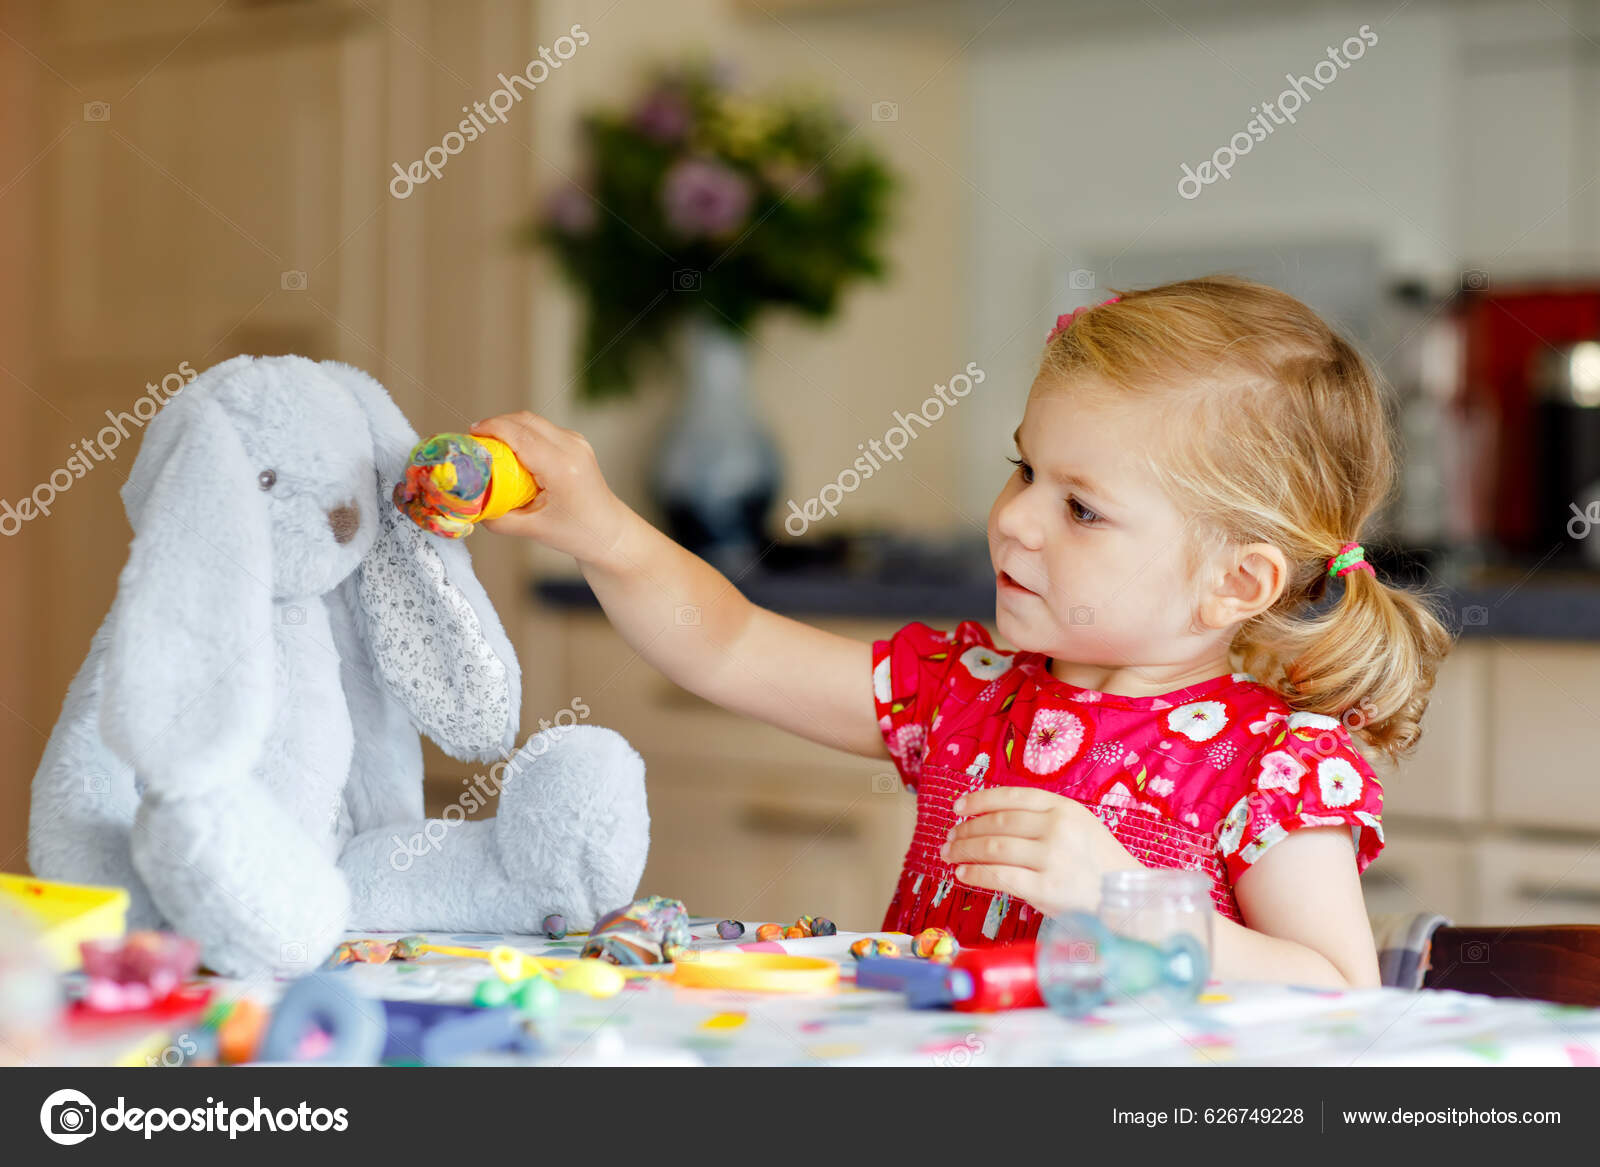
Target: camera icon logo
{"type": "Point", "coordinates": [1475, 614]}
{"type": "Point", "coordinates": [885, 111]}
{"type": "Point", "coordinates": [67, 1117]}
{"type": "Point", "coordinates": [293, 281]}
{"type": "Point", "coordinates": [1080, 614]}
{"type": "Point", "coordinates": [686, 616]}
{"type": "Point", "coordinates": [1474, 280]}
{"type": "Point", "coordinates": [294, 614]}
{"type": "Point", "coordinates": [885, 783]}
{"type": "Point", "coordinates": [97, 111]}
{"type": "Point", "coordinates": [294, 952]}
{"type": "Point", "coordinates": [686, 279]}
{"type": "Point", "coordinates": [96, 784]}
{"type": "Point", "coordinates": [1475, 952]}
{"type": "Point", "coordinates": [1080, 279]}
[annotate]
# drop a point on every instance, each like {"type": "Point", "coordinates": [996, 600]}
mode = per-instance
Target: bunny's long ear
{"type": "Point", "coordinates": [188, 676]}
{"type": "Point", "coordinates": [432, 629]}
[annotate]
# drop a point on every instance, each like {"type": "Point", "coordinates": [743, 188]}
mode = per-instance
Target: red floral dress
{"type": "Point", "coordinates": [1204, 778]}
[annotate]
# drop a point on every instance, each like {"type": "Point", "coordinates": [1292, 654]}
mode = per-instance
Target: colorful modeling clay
{"type": "Point", "coordinates": [653, 930]}
{"type": "Point", "coordinates": [555, 926]}
{"type": "Point", "coordinates": [362, 952]}
{"type": "Point", "coordinates": [874, 946]}
{"type": "Point", "coordinates": [935, 944]}
{"type": "Point", "coordinates": [455, 481]}
{"type": "Point", "coordinates": [138, 971]}
{"type": "Point", "coordinates": [730, 929]}
{"type": "Point", "coordinates": [822, 926]}
{"type": "Point", "coordinates": [769, 932]}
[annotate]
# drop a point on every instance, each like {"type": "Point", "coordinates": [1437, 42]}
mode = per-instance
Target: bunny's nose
{"type": "Point", "coordinates": [345, 521]}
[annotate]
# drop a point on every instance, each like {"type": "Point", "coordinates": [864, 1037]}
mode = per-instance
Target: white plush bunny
{"type": "Point", "coordinates": [240, 749]}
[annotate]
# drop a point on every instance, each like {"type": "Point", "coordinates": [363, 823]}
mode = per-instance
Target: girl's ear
{"type": "Point", "coordinates": [1250, 581]}
{"type": "Point", "coordinates": [188, 675]}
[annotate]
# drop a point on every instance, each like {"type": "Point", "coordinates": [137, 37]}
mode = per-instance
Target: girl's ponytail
{"type": "Point", "coordinates": [1369, 660]}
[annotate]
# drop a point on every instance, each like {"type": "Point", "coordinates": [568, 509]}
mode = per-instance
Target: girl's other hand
{"type": "Point", "coordinates": [575, 511]}
{"type": "Point", "coordinates": [1036, 846]}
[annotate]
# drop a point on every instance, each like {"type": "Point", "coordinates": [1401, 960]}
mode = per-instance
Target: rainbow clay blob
{"type": "Point", "coordinates": [455, 481]}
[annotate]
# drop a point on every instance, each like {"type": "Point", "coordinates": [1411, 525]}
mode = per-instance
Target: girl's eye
{"type": "Point", "coordinates": [1027, 471]}
{"type": "Point", "coordinates": [1082, 513]}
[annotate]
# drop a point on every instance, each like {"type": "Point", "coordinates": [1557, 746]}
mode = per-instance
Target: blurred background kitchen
{"type": "Point", "coordinates": [729, 239]}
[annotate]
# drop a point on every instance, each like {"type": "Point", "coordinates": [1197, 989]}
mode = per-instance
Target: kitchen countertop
{"type": "Point", "coordinates": [1514, 602]}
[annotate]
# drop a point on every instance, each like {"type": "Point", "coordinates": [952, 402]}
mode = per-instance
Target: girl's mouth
{"type": "Point", "coordinates": [1007, 584]}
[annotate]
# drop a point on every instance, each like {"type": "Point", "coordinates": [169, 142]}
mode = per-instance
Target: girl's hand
{"type": "Point", "coordinates": [1034, 845]}
{"type": "Point", "coordinates": [574, 511]}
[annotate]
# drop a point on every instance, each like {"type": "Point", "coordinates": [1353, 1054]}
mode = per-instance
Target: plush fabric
{"type": "Point", "coordinates": [240, 748]}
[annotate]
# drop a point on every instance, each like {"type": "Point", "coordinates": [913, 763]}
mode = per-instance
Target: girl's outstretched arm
{"type": "Point", "coordinates": [680, 613]}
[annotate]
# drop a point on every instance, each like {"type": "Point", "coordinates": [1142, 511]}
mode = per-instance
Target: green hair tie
{"type": "Point", "coordinates": [1351, 556]}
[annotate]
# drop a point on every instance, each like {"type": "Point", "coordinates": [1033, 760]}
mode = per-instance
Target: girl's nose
{"type": "Point", "coordinates": [1016, 519]}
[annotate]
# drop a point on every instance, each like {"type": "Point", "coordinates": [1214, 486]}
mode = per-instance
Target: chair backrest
{"type": "Point", "coordinates": [1558, 963]}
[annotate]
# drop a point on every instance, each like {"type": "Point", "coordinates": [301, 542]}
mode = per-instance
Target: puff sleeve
{"type": "Point", "coordinates": [910, 673]}
{"type": "Point", "coordinates": [1309, 775]}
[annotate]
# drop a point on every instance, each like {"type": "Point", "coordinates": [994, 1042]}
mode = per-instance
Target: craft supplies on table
{"type": "Point", "coordinates": [65, 913]}
{"type": "Point", "coordinates": [656, 1021]}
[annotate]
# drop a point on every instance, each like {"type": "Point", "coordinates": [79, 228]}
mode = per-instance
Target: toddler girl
{"type": "Point", "coordinates": [1193, 467]}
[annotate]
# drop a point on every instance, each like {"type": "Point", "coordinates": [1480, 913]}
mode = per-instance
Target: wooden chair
{"type": "Point", "coordinates": [1558, 963]}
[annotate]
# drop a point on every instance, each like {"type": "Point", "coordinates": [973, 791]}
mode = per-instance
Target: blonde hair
{"type": "Point", "coordinates": [1280, 434]}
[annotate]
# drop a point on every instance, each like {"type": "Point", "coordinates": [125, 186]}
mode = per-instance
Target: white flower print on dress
{"type": "Point", "coordinates": [880, 682]}
{"type": "Point", "coordinates": [1338, 781]}
{"type": "Point", "coordinates": [1372, 821]}
{"type": "Point", "coordinates": [985, 663]}
{"type": "Point", "coordinates": [979, 767]}
{"type": "Point", "coordinates": [906, 745]}
{"type": "Point", "coordinates": [1281, 770]}
{"type": "Point", "coordinates": [1233, 827]}
{"type": "Point", "coordinates": [1161, 786]}
{"type": "Point", "coordinates": [1087, 696]}
{"type": "Point", "coordinates": [1261, 842]}
{"type": "Point", "coordinates": [1199, 721]}
{"type": "Point", "coordinates": [1054, 739]}
{"type": "Point", "coordinates": [1324, 820]}
{"type": "Point", "coordinates": [1313, 721]}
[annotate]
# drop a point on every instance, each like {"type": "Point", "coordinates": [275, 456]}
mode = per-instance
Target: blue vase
{"type": "Point", "coordinates": [717, 469]}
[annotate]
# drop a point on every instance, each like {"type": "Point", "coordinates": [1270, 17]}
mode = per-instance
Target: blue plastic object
{"type": "Point", "coordinates": [354, 1024]}
{"type": "Point", "coordinates": [436, 1035]}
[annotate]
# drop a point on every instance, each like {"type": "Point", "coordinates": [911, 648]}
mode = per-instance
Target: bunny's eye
{"type": "Point", "coordinates": [266, 478]}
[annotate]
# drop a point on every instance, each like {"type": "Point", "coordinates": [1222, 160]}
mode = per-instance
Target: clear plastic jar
{"type": "Point", "coordinates": [1150, 940]}
{"type": "Point", "coordinates": [1153, 904]}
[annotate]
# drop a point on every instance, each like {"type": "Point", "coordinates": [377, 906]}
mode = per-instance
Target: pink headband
{"type": "Point", "coordinates": [1064, 321]}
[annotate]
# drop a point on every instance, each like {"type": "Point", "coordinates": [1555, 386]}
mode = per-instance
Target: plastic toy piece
{"type": "Point", "coordinates": [137, 972]}
{"type": "Point", "coordinates": [66, 914]}
{"type": "Point", "coordinates": [983, 980]}
{"type": "Point", "coordinates": [354, 1027]}
{"type": "Point", "coordinates": [903, 974]}
{"type": "Point", "coordinates": [455, 481]}
{"type": "Point", "coordinates": [767, 972]}
{"type": "Point", "coordinates": [436, 1035]}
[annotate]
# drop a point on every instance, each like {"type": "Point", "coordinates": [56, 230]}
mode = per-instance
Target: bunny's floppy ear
{"type": "Point", "coordinates": [432, 630]}
{"type": "Point", "coordinates": [189, 669]}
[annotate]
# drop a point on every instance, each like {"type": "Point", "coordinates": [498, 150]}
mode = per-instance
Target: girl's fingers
{"type": "Point", "coordinates": [1016, 882]}
{"type": "Point", "coordinates": [995, 798]}
{"type": "Point", "coordinates": [1024, 824]}
{"type": "Point", "coordinates": [997, 849]}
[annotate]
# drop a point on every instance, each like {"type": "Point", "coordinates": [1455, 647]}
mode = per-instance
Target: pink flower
{"type": "Point", "coordinates": [1055, 738]}
{"type": "Point", "coordinates": [906, 745]}
{"type": "Point", "coordinates": [572, 211]}
{"type": "Point", "coordinates": [1065, 321]}
{"type": "Point", "coordinates": [1281, 770]}
{"type": "Point", "coordinates": [663, 116]}
{"type": "Point", "coordinates": [702, 197]}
